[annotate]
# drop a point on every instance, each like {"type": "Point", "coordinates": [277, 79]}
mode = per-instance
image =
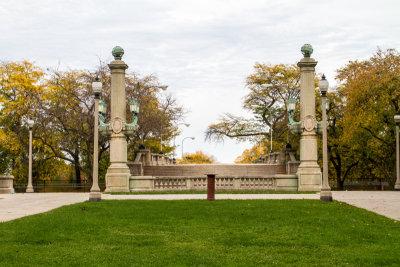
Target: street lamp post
{"type": "Point", "coordinates": [325, 194]}
{"type": "Point", "coordinates": [182, 143]}
{"type": "Point", "coordinates": [187, 125]}
{"type": "Point", "coordinates": [95, 194]}
{"type": "Point", "coordinates": [161, 143]}
{"type": "Point", "coordinates": [397, 185]}
{"type": "Point", "coordinates": [271, 140]}
{"type": "Point", "coordinates": [29, 188]}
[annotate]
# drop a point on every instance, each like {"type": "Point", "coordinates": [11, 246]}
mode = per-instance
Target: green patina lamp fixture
{"type": "Point", "coordinates": [291, 106]}
{"type": "Point", "coordinates": [134, 108]}
{"type": "Point", "coordinates": [130, 128]}
{"type": "Point", "coordinates": [104, 128]}
{"type": "Point", "coordinates": [102, 112]}
{"type": "Point", "coordinates": [294, 126]}
{"type": "Point", "coordinates": [307, 50]}
{"type": "Point", "coordinates": [117, 52]}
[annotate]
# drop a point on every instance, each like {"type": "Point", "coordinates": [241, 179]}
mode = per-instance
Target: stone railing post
{"type": "Point", "coordinates": [282, 157]}
{"type": "Point", "coordinates": [236, 183]}
{"type": "Point", "coordinates": [147, 156]}
{"type": "Point", "coordinates": [188, 183]}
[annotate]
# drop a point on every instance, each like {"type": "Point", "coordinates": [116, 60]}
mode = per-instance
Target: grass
{"type": "Point", "coordinates": [201, 233]}
{"type": "Point", "coordinates": [205, 192]}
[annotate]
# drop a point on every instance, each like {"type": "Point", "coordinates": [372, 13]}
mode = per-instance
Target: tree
{"type": "Point", "coordinates": [69, 115]}
{"type": "Point", "coordinates": [20, 83]}
{"type": "Point", "coordinates": [342, 159]}
{"type": "Point", "coordinates": [62, 105]}
{"type": "Point", "coordinates": [371, 93]}
{"type": "Point", "coordinates": [253, 154]}
{"type": "Point", "coordinates": [270, 87]}
{"type": "Point", "coordinates": [199, 157]}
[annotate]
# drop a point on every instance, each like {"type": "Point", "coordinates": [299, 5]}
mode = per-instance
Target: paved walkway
{"type": "Point", "coordinates": [386, 203]}
{"type": "Point", "coordinates": [13, 206]}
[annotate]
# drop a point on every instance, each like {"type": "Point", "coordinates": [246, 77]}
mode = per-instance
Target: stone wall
{"type": "Point", "coordinates": [166, 183]}
{"type": "Point", "coordinates": [222, 170]}
{"type": "Point", "coordinates": [158, 172]}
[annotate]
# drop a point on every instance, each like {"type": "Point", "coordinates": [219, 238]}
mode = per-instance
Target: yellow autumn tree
{"type": "Point", "coordinates": [199, 157]}
{"type": "Point", "coordinates": [21, 90]}
{"type": "Point", "coordinates": [371, 92]}
{"type": "Point", "coordinates": [62, 105]}
{"type": "Point", "coordinates": [256, 152]}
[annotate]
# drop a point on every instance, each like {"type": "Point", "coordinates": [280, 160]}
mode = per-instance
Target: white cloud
{"type": "Point", "coordinates": [202, 49]}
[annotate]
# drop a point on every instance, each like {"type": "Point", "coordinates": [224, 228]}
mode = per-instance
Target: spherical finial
{"type": "Point", "coordinates": [307, 50]}
{"type": "Point", "coordinates": [118, 52]}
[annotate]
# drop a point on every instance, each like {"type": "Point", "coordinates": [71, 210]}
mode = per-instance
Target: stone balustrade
{"type": "Point", "coordinates": [167, 183]}
{"type": "Point", "coordinates": [157, 172]}
{"type": "Point", "coordinates": [147, 158]}
{"type": "Point", "coordinates": [285, 156]}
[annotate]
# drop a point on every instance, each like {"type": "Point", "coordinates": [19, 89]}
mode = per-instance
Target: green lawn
{"type": "Point", "coordinates": [205, 192]}
{"type": "Point", "coordinates": [202, 233]}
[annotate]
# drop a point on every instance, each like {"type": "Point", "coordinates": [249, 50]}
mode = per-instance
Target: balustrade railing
{"type": "Point", "coordinates": [221, 183]}
{"type": "Point", "coordinates": [147, 158]}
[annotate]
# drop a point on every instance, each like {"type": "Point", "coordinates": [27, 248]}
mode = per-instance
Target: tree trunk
{"type": "Point", "coordinates": [78, 174]}
{"type": "Point", "coordinates": [341, 185]}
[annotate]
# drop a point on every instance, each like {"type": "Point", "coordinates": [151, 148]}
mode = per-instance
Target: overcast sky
{"type": "Point", "coordinates": [203, 50]}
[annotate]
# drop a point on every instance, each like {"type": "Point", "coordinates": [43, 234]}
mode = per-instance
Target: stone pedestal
{"type": "Point", "coordinates": [6, 184]}
{"type": "Point", "coordinates": [309, 173]}
{"type": "Point", "coordinates": [117, 177]}
{"type": "Point", "coordinates": [147, 156]}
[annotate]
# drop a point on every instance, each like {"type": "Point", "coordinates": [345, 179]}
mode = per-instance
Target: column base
{"type": "Point", "coordinates": [30, 190]}
{"type": "Point", "coordinates": [117, 179]}
{"type": "Point", "coordinates": [397, 187]}
{"type": "Point", "coordinates": [94, 197]}
{"type": "Point", "coordinates": [310, 179]}
{"type": "Point", "coordinates": [326, 196]}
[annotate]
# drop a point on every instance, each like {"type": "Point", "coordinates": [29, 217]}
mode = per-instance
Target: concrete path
{"type": "Point", "coordinates": [386, 203]}
{"type": "Point", "coordinates": [13, 206]}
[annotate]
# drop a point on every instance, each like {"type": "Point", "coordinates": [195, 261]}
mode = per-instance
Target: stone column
{"type": "Point", "coordinates": [309, 172]}
{"type": "Point", "coordinates": [117, 177]}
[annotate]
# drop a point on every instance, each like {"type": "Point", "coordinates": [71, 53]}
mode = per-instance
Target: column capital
{"type": "Point", "coordinates": [307, 63]}
{"type": "Point", "coordinates": [117, 64]}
